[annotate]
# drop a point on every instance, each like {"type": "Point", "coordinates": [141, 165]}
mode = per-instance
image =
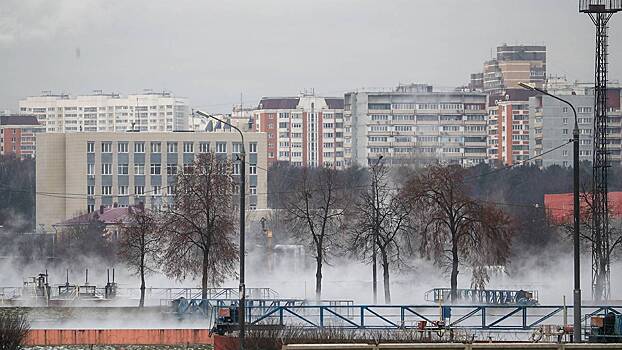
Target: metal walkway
{"type": "Point", "coordinates": [408, 316]}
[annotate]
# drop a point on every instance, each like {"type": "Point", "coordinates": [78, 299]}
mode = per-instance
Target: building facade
{"type": "Point", "coordinates": [305, 131]}
{"type": "Point", "coordinates": [508, 126]}
{"type": "Point", "coordinates": [80, 172]}
{"type": "Point", "coordinates": [515, 64]}
{"type": "Point", "coordinates": [149, 111]}
{"type": "Point", "coordinates": [552, 123]}
{"type": "Point", "coordinates": [415, 125]}
{"type": "Point", "coordinates": [17, 135]}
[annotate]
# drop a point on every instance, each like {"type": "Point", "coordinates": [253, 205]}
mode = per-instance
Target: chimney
{"type": "Point", "coordinates": [101, 209]}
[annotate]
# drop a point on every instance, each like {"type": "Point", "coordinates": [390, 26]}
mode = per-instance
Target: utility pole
{"type": "Point", "coordinates": [374, 257]}
{"type": "Point", "coordinates": [242, 287]}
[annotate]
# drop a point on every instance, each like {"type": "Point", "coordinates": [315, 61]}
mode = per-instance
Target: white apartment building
{"type": "Point", "coordinates": [149, 111]}
{"type": "Point", "coordinates": [305, 131]}
{"type": "Point", "coordinates": [415, 125]}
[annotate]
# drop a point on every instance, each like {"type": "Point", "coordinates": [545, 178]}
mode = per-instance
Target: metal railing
{"type": "Point", "coordinates": [501, 318]}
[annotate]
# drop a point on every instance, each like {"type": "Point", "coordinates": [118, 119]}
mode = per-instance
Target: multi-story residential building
{"type": "Point", "coordinates": [508, 126]}
{"type": "Point", "coordinates": [149, 111]}
{"type": "Point", "coordinates": [87, 170]}
{"type": "Point", "coordinates": [306, 130]}
{"type": "Point", "coordinates": [17, 135]}
{"type": "Point", "coordinates": [515, 64]}
{"type": "Point", "coordinates": [415, 125]}
{"type": "Point", "coordinates": [552, 122]}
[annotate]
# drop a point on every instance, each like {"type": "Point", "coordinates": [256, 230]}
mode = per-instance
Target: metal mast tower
{"type": "Point", "coordinates": [600, 11]}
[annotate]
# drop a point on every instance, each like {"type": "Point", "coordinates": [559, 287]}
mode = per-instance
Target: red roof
{"type": "Point", "coordinates": [560, 206]}
{"type": "Point", "coordinates": [110, 216]}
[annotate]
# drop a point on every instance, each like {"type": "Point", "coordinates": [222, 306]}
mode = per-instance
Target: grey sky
{"type": "Point", "coordinates": [210, 51]}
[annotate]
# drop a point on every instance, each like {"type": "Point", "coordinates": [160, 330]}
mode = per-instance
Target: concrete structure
{"type": "Point", "coordinates": [551, 123]}
{"type": "Point", "coordinates": [79, 172]}
{"type": "Point", "coordinates": [415, 125]}
{"type": "Point", "coordinates": [515, 64]}
{"type": "Point", "coordinates": [306, 130]}
{"type": "Point", "coordinates": [149, 111]}
{"type": "Point", "coordinates": [17, 135]}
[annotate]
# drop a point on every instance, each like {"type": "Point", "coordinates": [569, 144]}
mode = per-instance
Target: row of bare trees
{"type": "Point", "coordinates": [430, 211]}
{"type": "Point", "coordinates": [192, 237]}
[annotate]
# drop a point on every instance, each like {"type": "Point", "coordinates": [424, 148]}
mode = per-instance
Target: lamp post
{"type": "Point", "coordinates": [576, 307]}
{"type": "Point", "coordinates": [242, 289]}
{"type": "Point", "coordinates": [374, 255]}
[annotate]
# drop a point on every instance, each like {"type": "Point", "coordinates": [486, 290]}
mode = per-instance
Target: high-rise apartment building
{"type": "Point", "coordinates": [79, 172]}
{"type": "Point", "coordinates": [306, 130]}
{"type": "Point", "coordinates": [415, 125]}
{"type": "Point", "coordinates": [149, 111]}
{"type": "Point", "coordinates": [508, 126]}
{"type": "Point", "coordinates": [515, 64]}
{"type": "Point", "coordinates": [552, 123]}
{"type": "Point", "coordinates": [17, 135]}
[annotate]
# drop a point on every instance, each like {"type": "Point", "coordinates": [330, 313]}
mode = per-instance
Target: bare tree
{"type": "Point", "coordinates": [605, 250]}
{"type": "Point", "coordinates": [139, 244]}
{"type": "Point", "coordinates": [199, 225]}
{"type": "Point", "coordinates": [315, 211]}
{"type": "Point", "coordinates": [14, 327]}
{"type": "Point", "coordinates": [456, 229]}
{"type": "Point", "coordinates": [381, 217]}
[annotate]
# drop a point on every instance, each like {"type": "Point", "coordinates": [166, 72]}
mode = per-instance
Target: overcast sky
{"type": "Point", "coordinates": [210, 51]}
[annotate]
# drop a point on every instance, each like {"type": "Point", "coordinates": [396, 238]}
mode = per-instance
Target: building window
{"type": "Point", "coordinates": [188, 147]}
{"type": "Point", "coordinates": [90, 208]}
{"type": "Point", "coordinates": [156, 190]}
{"type": "Point", "coordinates": [106, 190]}
{"type": "Point", "coordinates": [106, 169]}
{"type": "Point", "coordinates": [188, 168]}
{"type": "Point", "coordinates": [252, 169]}
{"type": "Point", "coordinates": [171, 169]}
{"type": "Point", "coordinates": [565, 131]}
{"type": "Point", "coordinates": [252, 147]}
{"type": "Point", "coordinates": [123, 191]}
{"type": "Point", "coordinates": [235, 148]}
{"type": "Point", "coordinates": [106, 147]}
{"type": "Point", "coordinates": [139, 190]}
{"type": "Point", "coordinates": [156, 147]}
{"type": "Point", "coordinates": [156, 169]}
{"type": "Point", "coordinates": [139, 147]}
{"type": "Point", "coordinates": [236, 168]}
{"type": "Point", "coordinates": [139, 169]}
{"type": "Point", "coordinates": [90, 147]}
{"type": "Point", "coordinates": [203, 147]}
{"type": "Point", "coordinates": [171, 147]}
{"type": "Point", "coordinates": [123, 169]}
{"type": "Point", "coordinates": [122, 147]}
{"type": "Point", "coordinates": [90, 169]}
{"type": "Point", "coordinates": [221, 147]}
{"type": "Point", "coordinates": [253, 190]}
{"type": "Point", "coordinates": [90, 190]}
{"type": "Point", "coordinates": [564, 153]}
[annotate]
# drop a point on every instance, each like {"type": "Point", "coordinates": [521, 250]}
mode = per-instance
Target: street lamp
{"type": "Point", "coordinates": [242, 289]}
{"type": "Point", "coordinates": [577, 268]}
{"type": "Point", "coordinates": [376, 228]}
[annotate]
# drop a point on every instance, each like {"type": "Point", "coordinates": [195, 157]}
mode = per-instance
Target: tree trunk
{"type": "Point", "coordinates": [454, 270]}
{"type": "Point", "coordinates": [141, 303]}
{"type": "Point", "coordinates": [385, 275]}
{"type": "Point", "coordinates": [204, 273]}
{"type": "Point", "coordinates": [318, 278]}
